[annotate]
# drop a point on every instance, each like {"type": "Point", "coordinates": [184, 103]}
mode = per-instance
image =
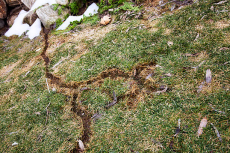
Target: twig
{"type": "Point", "coordinates": [221, 2]}
{"type": "Point", "coordinates": [216, 110]}
{"type": "Point", "coordinates": [217, 132]}
{"type": "Point", "coordinates": [47, 85]}
{"type": "Point", "coordinates": [114, 101]}
{"type": "Point", "coordinates": [47, 113]}
{"type": "Point", "coordinates": [162, 91]}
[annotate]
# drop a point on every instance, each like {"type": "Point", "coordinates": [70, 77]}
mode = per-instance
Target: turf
{"type": "Point", "coordinates": [42, 121]}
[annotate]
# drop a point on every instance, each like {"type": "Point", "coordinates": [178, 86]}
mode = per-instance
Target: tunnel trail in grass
{"type": "Point", "coordinates": [136, 77]}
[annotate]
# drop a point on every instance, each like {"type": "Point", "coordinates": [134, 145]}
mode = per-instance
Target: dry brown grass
{"type": "Point", "coordinates": [7, 69]}
{"type": "Point", "coordinates": [222, 24]}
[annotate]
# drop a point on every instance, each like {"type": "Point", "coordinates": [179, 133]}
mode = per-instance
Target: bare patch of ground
{"type": "Point", "coordinates": [7, 69]}
{"type": "Point", "coordinates": [222, 24]}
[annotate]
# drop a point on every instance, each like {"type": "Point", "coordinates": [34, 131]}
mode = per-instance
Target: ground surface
{"type": "Point", "coordinates": [131, 60]}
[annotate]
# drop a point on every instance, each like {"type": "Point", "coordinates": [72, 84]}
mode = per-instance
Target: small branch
{"type": "Point", "coordinates": [216, 110]}
{"type": "Point", "coordinates": [47, 85]}
{"type": "Point", "coordinates": [47, 113]}
{"type": "Point", "coordinates": [217, 132]}
{"type": "Point", "coordinates": [114, 101]}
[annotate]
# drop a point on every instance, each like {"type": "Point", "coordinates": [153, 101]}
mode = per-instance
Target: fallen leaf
{"type": "Point", "coordinates": [149, 76]}
{"type": "Point", "coordinates": [173, 7]}
{"type": "Point", "coordinates": [85, 88]}
{"type": "Point", "coordinates": [170, 43]}
{"type": "Point", "coordinates": [11, 108]}
{"type": "Point", "coordinates": [14, 144]}
{"type": "Point", "coordinates": [217, 132]}
{"type": "Point", "coordinates": [198, 35]}
{"type": "Point", "coordinates": [81, 145]}
{"type": "Point", "coordinates": [96, 116]}
{"type": "Point", "coordinates": [105, 20]}
{"type": "Point", "coordinates": [37, 113]}
{"type": "Point", "coordinates": [168, 74]}
{"type": "Point", "coordinates": [114, 101]}
{"type": "Point", "coordinates": [221, 2]}
{"type": "Point", "coordinates": [191, 55]}
{"type": "Point", "coordinates": [54, 89]}
{"type": "Point", "coordinates": [200, 87]}
{"type": "Point", "coordinates": [208, 76]}
{"type": "Point", "coordinates": [224, 49]}
{"type": "Point", "coordinates": [203, 124]}
{"type": "Point", "coordinates": [212, 8]}
{"type": "Point", "coordinates": [162, 91]}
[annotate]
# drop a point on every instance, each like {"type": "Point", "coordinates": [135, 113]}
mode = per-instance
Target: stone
{"type": "Point", "coordinates": [14, 14]}
{"type": "Point", "coordinates": [48, 16]}
{"type": "Point", "coordinates": [3, 9]}
{"type": "Point", "coordinates": [28, 3]}
{"type": "Point", "coordinates": [62, 2]}
{"type": "Point", "coordinates": [13, 2]}
{"type": "Point", "coordinates": [2, 23]}
{"type": "Point", "coordinates": [30, 18]}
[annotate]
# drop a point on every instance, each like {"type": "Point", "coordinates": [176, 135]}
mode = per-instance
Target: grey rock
{"type": "Point", "coordinates": [48, 16]}
{"type": "Point", "coordinates": [62, 2]}
{"type": "Point", "coordinates": [28, 3]}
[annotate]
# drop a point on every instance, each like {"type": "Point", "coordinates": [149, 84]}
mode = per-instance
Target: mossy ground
{"type": "Point", "coordinates": [148, 127]}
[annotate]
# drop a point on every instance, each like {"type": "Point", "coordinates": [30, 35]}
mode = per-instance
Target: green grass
{"type": "Point", "coordinates": [121, 128]}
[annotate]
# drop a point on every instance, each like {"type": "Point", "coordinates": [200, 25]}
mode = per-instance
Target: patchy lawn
{"type": "Point", "coordinates": [153, 69]}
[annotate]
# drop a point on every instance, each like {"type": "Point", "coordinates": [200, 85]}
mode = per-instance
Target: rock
{"type": "Point", "coordinates": [14, 14]}
{"type": "Point", "coordinates": [30, 18]}
{"type": "Point", "coordinates": [3, 9]}
{"type": "Point", "coordinates": [28, 3]}
{"type": "Point", "coordinates": [13, 2]}
{"type": "Point", "coordinates": [2, 23]}
{"type": "Point", "coordinates": [48, 16]}
{"type": "Point", "coordinates": [62, 2]}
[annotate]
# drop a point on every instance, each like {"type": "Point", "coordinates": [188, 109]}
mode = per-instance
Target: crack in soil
{"type": "Point", "coordinates": [138, 85]}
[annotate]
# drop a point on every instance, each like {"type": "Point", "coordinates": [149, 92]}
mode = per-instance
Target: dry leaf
{"type": "Point", "coordinates": [149, 76]}
{"type": "Point", "coordinates": [114, 101]}
{"type": "Point", "coordinates": [221, 2]}
{"type": "Point", "coordinates": [170, 43]}
{"type": "Point", "coordinates": [37, 113]}
{"type": "Point", "coordinates": [212, 8]}
{"type": "Point", "coordinates": [224, 49]}
{"type": "Point", "coordinates": [208, 76]}
{"type": "Point", "coordinates": [81, 145]}
{"type": "Point", "coordinates": [15, 144]}
{"type": "Point", "coordinates": [105, 20]}
{"type": "Point", "coordinates": [203, 124]}
{"type": "Point", "coordinates": [192, 55]}
{"type": "Point", "coordinates": [198, 35]}
{"type": "Point", "coordinates": [162, 91]}
{"type": "Point", "coordinates": [217, 132]}
{"type": "Point", "coordinates": [200, 87]}
{"type": "Point", "coordinates": [168, 74]}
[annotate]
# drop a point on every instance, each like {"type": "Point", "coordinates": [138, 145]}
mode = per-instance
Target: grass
{"type": "Point", "coordinates": [151, 124]}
